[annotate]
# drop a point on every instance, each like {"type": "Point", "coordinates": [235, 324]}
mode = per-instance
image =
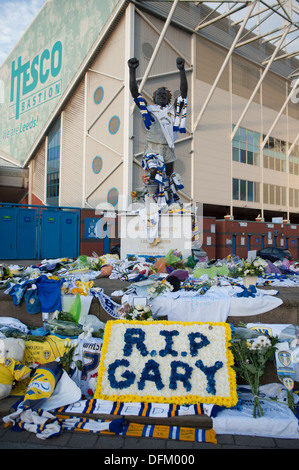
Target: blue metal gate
{"type": "Point", "coordinates": [39, 232]}
{"type": "Point", "coordinates": [8, 233]}
{"type": "Point", "coordinates": [26, 233]}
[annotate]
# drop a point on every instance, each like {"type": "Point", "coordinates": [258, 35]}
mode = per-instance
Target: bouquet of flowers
{"type": "Point", "coordinates": [160, 287]}
{"type": "Point", "coordinates": [137, 312]}
{"type": "Point", "coordinates": [67, 359]}
{"type": "Point", "coordinates": [254, 267]}
{"type": "Point", "coordinates": [174, 260]}
{"type": "Point", "coordinates": [137, 195]}
{"type": "Point", "coordinates": [250, 357]}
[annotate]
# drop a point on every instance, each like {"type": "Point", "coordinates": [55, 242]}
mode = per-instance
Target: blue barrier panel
{"type": "Point", "coordinates": [50, 234]}
{"type": "Point", "coordinates": [8, 233]}
{"type": "Point", "coordinates": [68, 234]}
{"type": "Point", "coordinates": [27, 237]}
{"type": "Point", "coordinates": [106, 235]}
{"type": "Point", "coordinates": [35, 232]}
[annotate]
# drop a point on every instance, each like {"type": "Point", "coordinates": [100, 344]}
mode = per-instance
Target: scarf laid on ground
{"type": "Point", "coordinates": [45, 425]}
{"type": "Point", "coordinates": [108, 304]}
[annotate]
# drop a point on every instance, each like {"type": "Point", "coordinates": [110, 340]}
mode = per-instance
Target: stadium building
{"type": "Point", "coordinates": [71, 136]}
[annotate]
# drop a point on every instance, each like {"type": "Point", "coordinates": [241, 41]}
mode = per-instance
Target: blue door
{"type": "Point", "coordinates": [35, 232]}
{"type": "Point", "coordinates": [50, 234]}
{"type": "Point", "coordinates": [26, 248]}
{"type": "Point", "coordinates": [68, 234]}
{"type": "Point", "coordinates": [106, 236]}
{"type": "Point", "coordinates": [8, 233]}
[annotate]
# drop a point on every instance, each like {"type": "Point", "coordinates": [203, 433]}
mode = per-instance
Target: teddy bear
{"type": "Point", "coordinates": [11, 367]}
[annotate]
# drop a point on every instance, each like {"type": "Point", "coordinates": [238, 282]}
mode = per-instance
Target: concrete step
{"type": "Point", "coordinates": [8, 309]}
{"type": "Point", "coordinates": [287, 313]}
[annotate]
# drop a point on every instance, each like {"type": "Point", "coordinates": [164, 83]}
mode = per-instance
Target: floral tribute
{"type": "Point", "coordinates": [160, 287]}
{"type": "Point", "coordinates": [167, 362]}
{"type": "Point", "coordinates": [137, 312]}
{"type": "Point", "coordinates": [250, 357]}
{"type": "Point", "coordinates": [254, 267]}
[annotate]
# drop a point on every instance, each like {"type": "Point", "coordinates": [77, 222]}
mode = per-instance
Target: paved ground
{"type": "Point", "coordinates": [118, 446]}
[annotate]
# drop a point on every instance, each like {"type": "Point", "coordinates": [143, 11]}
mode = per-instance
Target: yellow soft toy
{"type": "Point", "coordinates": [11, 367]}
{"type": "Point", "coordinates": [82, 288]}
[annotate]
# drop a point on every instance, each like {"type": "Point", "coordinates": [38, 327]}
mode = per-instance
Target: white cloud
{"type": "Point", "coordinates": [15, 17]}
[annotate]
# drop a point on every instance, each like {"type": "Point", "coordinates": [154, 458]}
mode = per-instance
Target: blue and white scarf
{"type": "Point", "coordinates": [167, 186]}
{"type": "Point", "coordinates": [46, 425]}
{"type": "Point", "coordinates": [179, 118]}
{"type": "Point", "coordinates": [147, 117]}
{"type": "Point", "coordinates": [108, 305]}
{"type": "Point", "coordinates": [180, 115]}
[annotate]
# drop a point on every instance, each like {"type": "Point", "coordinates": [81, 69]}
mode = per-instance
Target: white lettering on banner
{"type": "Point", "coordinates": [21, 128]}
{"type": "Point", "coordinates": [25, 77]}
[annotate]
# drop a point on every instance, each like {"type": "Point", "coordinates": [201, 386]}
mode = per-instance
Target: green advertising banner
{"type": "Point", "coordinates": [36, 74]}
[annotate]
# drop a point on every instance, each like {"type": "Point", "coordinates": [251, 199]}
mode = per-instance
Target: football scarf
{"type": "Point", "coordinates": [147, 117]}
{"type": "Point", "coordinates": [170, 121]}
{"type": "Point", "coordinates": [180, 115]}
{"type": "Point", "coordinates": [167, 186]}
{"type": "Point", "coordinates": [108, 305]}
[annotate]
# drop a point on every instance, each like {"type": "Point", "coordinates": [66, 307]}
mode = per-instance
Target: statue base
{"type": "Point", "coordinates": [174, 232]}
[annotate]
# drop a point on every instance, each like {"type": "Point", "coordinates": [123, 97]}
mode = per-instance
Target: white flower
{"type": "Point", "coordinates": [87, 332]}
{"type": "Point", "coordinates": [263, 341]}
{"type": "Point", "coordinates": [260, 342]}
{"type": "Point", "coordinates": [138, 307]}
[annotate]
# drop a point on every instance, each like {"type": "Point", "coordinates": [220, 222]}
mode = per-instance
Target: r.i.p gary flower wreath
{"type": "Point", "coordinates": [250, 357]}
{"type": "Point", "coordinates": [167, 362]}
{"type": "Point", "coordinates": [254, 267]}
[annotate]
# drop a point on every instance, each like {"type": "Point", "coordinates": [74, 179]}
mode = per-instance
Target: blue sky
{"type": "Point", "coordinates": [15, 17]}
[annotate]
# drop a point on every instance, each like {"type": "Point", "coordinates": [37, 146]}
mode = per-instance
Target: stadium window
{"type": "Point", "coordinates": [236, 154]}
{"type": "Point", "coordinates": [250, 191]}
{"type": "Point", "coordinates": [243, 190]}
{"type": "Point", "coordinates": [53, 164]}
{"type": "Point", "coordinates": [235, 189]}
{"type": "Point", "coordinates": [246, 146]}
